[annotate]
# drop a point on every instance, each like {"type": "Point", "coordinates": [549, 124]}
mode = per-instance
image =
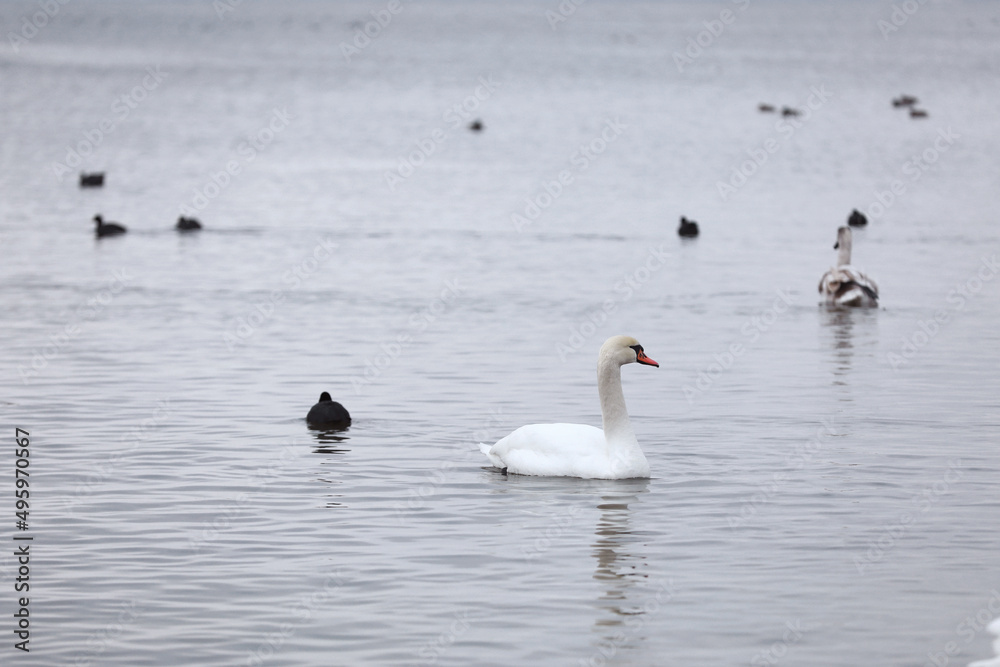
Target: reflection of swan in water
{"type": "Point", "coordinates": [851, 330]}
{"type": "Point", "coordinates": [841, 322]}
{"type": "Point", "coordinates": [626, 589]}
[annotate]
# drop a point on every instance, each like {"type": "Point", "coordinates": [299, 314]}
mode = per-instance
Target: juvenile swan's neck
{"type": "Point", "coordinates": [617, 427]}
{"type": "Point", "coordinates": [844, 248]}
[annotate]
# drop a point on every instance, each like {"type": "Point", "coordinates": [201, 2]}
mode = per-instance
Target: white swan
{"type": "Point", "coordinates": [578, 450]}
{"type": "Point", "coordinates": [845, 285]}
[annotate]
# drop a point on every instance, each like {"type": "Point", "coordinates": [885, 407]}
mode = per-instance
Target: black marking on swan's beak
{"type": "Point", "coordinates": [836, 245]}
{"type": "Point", "coordinates": [640, 356]}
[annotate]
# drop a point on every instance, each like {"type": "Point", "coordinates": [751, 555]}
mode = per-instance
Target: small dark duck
{"type": "Point", "coordinates": [94, 180]}
{"type": "Point", "coordinates": [328, 413]}
{"type": "Point", "coordinates": [187, 224]}
{"type": "Point", "coordinates": [107, 228]}
{"type": "Point", "coordinates": [688, 228]}
{"type": "Point", "coordinates": [857, 219]}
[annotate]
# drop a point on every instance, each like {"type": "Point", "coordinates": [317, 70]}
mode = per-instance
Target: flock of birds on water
{"type": "Point", "coordinates": [102, 229]}
{"type": "Point", "coordinates": [184, 224]}
{"type": "Point", "coordinates": [580, 450]}
{"type": "Point", "coordinates": [902, 102]}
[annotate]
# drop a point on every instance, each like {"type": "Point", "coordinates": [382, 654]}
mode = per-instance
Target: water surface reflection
{"type": "Point", "coordinates": [329, 440]}
{"type": "Point", "coordinates": [627, 593]}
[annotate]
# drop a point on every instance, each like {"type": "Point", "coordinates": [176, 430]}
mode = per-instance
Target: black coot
{"type": "Point", "coordinates": [688, 228]}
{"type": "Point", "coordinates": [188, 224]}
{"type": "Point", "coordinates": [107, 228]}
{"type": "Point", "coordinates": [328, 413]}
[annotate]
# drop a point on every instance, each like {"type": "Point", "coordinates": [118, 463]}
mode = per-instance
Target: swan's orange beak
{"type": "Point", "coordinates": [641, 357]}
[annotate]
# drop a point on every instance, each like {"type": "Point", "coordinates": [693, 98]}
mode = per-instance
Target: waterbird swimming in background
{"type": "Point", "coordinates": [94, 180]}
{"type": "Point", "coordinates": [328, 413]}
{"type": "Point", "coordinates": [688, 228]}
{"type": "Point", "coordinates": [579, 450]}
{"type": "Point", "coordinates": [844, 285]}
{"type": "Point", "coordinates": [187, 224]}
{"type": "Point", "coordinates": [108, 228]}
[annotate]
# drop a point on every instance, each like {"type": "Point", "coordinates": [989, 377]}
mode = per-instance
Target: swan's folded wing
{"type": "Point", "coordinates": [829, 282]}
{"type": "Point", "coordinates": [494, 459]}
{"type": "Point", "coordinates": [549, 449]}
{"type": "Point", "coordinates": [863, 281]}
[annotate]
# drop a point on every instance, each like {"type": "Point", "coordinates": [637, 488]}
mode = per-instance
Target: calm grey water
{"type": "Point", "coordinates": [824, 484]}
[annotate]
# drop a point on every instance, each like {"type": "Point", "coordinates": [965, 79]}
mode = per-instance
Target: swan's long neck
{"type": "Point", "coordinates": [843, 250]}
{"type": "Point", "coordinates": [617, 427]}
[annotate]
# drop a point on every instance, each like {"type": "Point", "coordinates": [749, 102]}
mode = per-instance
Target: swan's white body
{"type": "Point", "coordinates": [845, 285]}
{"type": "Point", "coordinates": [578, 450]}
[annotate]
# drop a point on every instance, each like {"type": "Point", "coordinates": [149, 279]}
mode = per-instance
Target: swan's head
{"type": "Point", "coordinates": [843, 238]}
{"type": "Point", "coordinates": [99, 220]}
{"type": "Point", "coordinates": [325, 396]}
{"type": "Point", "coordinates": [624, 350]}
